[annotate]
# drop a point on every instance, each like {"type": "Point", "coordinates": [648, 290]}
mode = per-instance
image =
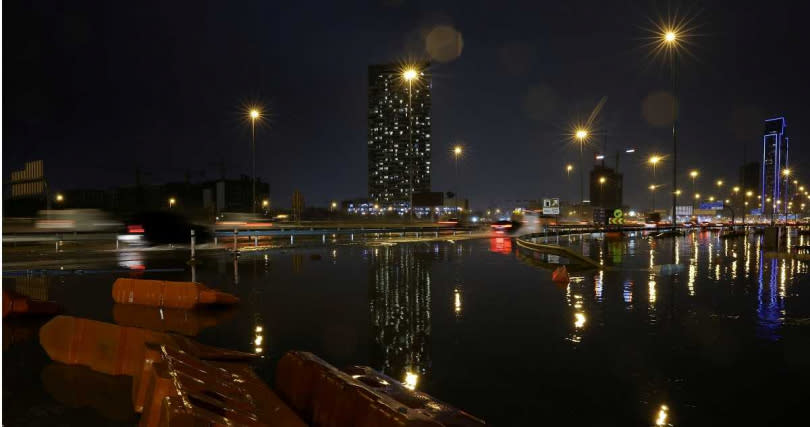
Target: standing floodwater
{"type": "Point", "coordinates": [692, 331]}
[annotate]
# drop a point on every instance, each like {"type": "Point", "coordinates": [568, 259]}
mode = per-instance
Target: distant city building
{"type": "Point", "coordinates": [774, 162]}
{"type": "Point", "coordinates": [749, 177]}
{"type": "Point", "coordinates": [205, 199]}
{"type": "Point", "coordinates": [27, 190]}
{"type": "Point", "coordinates": [398, 137]}
{"type": "Point", "coordinates": [605, 187]}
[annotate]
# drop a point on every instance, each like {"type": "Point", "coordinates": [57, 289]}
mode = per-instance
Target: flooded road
{"type": "Point", "coordinates": [688, 331]}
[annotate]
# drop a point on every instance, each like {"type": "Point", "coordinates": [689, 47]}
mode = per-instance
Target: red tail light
{"type": "Point", "coordinates": [135, 228]}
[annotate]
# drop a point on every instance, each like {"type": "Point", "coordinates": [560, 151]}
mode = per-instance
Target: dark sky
{"type": "Point", "coordinates": [96, 88]}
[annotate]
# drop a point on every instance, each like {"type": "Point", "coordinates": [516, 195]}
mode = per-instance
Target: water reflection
{"type": "Point", "coordinates": [400, 309]}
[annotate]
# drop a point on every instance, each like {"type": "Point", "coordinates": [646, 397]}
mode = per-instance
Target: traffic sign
{"type": "Point", "coordinates": [551, 206]}
{"type": "Point", "coordinates": [617, 218]}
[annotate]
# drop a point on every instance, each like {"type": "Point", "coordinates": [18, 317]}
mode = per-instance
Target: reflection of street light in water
{"type": "Point", "coordinates": [411, 379]}
{"type": "Point", "coordinates": [662, 416]}
{"type": "Point", "coordinates": [258, 339]}
{"type": "Point", "coordinates": [579, 320]}
{"type": "Point", "coordinates": [457, 301]}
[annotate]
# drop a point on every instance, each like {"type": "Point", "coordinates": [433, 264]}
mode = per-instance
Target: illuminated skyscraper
{"type": "Point", "coordinates": [774, 162]}
{"type": "Point", "coordinates": [398, 153]}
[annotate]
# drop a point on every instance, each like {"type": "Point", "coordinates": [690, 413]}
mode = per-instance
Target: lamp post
{"type": "Point", "coordinates": [172, 201]}
{"type": "Point", "coordinates": [602, 180]}
{"type": "Point", "coordinates": [254, 114]}
{"type": "Point", "coordinates": [581, 135]}
{"type": "Point", "coordinates": [654, 161]}
{"type": "Point", "coordinates": [409, 75]}
{"type": "Point", "coordinates": [670, 41]}
{"type": "Point", "coordinates": [457, 150]}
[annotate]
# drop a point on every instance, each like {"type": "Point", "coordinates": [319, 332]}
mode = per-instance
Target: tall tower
{"type": "Point", "coordinates": [774, 162]}
{"type": "Point", "coordinates": [398, 133]}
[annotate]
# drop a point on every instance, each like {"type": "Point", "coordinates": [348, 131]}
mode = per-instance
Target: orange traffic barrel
{"type": "Point", "coordinates": [186, 322]}
{"type": "Point", "coordinates": [560, 275]}
{"type": "Point", "coordinates": [161, 293]}
{"type": "Point", "coordinates": [16, 304]}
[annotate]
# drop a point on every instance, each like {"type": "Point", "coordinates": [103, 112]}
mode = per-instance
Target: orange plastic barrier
{"type": "Point", "coordinates": [113, 349]}
{"type": "Point", "coordinates": [181, 390]}
{"type": "Point", "coordinates": [324, 396]}
{"type": "Point", "coordinates": [560, 275]}
{"type": "Point", "coordinates": [186, 322]}
{"type": "Point", "coordinates": [16, 304]}
{"type": "Point", "coordinates": [160, 293]}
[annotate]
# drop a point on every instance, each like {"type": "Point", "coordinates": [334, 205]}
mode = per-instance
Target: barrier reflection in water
{"type": "Point", "coordinates": [186, 322]}
{"type": "Point", "coordinates": [400, 311]}
{"type": "Point", "coordinates": [81, 387]}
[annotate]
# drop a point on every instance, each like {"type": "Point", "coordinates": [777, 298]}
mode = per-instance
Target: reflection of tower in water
{"type": "Point", "coordinates": [399, 305]}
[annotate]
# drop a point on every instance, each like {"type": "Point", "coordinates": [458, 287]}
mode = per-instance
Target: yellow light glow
{"type": "Point", "coordinates": [258, 340]}
{"type": "Point", "coordinates": [736, 189]}
{"type": "Point", "coordinates": [259, 329]}
{"type": "Point", "coordinates": [602, 180]}
{"type": "Point", "coordinates": [581, 134]}
{"type": "Point", "coordinates": [457, 300]}
{"type": "Point", "coordinates": [579, 320]}
{"type": "Point", "coordinates": [410, 74]}
{"type": "Point", "coordinates": [719, 182]}
{"type": "Point", "coordinates": [265, 203]}
{"type": "Point", "coordinates": [749, 193]}
{"type": "Point", "coordinates": [677, 192]}
{"type": "Point", "coordinates": [670, 36]}
{"type": "Point", "coordinates": [59, 198]}
{"type": "Point", "coordinates": [569, 168]}
{"type": "Point", "coordinates": [457, 150]}
{"type": "Point", "coordinates": [693, 174]}
{"type": "Point", "coordinates": [254, 114]}
{"type": "Point", "coordinates": [786, 172]}
{"type": "Point", "coordinates": [172, 201]}
{"type": "Point", "coordinates": [655, 159]}
{"type": "Point", "coordinates": [652, 187]}
{"type": "Point", "coordinates": [711, 198]}
{"type": "Point", "coordinates": [697, 196]}
{"type": "Point", "coordinates": [411, 379]}
{"type": "Point", "coordinates": [662, 416]}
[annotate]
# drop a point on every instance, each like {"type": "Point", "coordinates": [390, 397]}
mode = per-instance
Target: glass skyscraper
{"type": "Point", "coordinates": [774, 162]}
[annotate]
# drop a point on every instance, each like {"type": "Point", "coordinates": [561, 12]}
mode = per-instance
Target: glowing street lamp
{"type": "Point", "coordinates": [60, 198]}
{"type": "Point", "coordinates": [254, 114]}
{"type": "Point", "coordinates": [265, 203]}
{"type": "Point", "coordinates": [652, 190]}
{"type": "Point", "coordinates": [581, 135]}
{"type": "Point", "coordinates": [172, 201]}
{"type": "Point", "coordinates": [670, 38]}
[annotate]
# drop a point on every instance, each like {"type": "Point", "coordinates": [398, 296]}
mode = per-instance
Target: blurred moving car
{"type": "Point", "coordinates": [162, 228]}
{"type": "Point", "coordinates": [75, 220]}
{"type": "Point", "coordinates": [505, 226]}
{"type": "Point", "coordinates": [241, 220]}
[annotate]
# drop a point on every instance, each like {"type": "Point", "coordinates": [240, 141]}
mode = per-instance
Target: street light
{"type": "Point", "coordinates": [719, 183]}
{"type": "Point", "coordinates": [652, 190]}
{"type": "Point", "coordinates": [171, 202]}
{"type": "Point", "coordinates": [265, 203]}
{"type": "Point", "coordinates": [60, 198]}
{"type": "Point", "coordinates": [581, 135]}
{"type": "Point", "coordinates": [670, 39]}
{"type": "Point", "coordinates": [254, 114]}
{"type": "Point", "coordinates": [409, 75]}
{"type": "Point", "coordinates": [602, 180]}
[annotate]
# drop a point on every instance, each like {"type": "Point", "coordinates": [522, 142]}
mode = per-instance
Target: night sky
{"type": "Point", "coordinates": [96, 88]}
